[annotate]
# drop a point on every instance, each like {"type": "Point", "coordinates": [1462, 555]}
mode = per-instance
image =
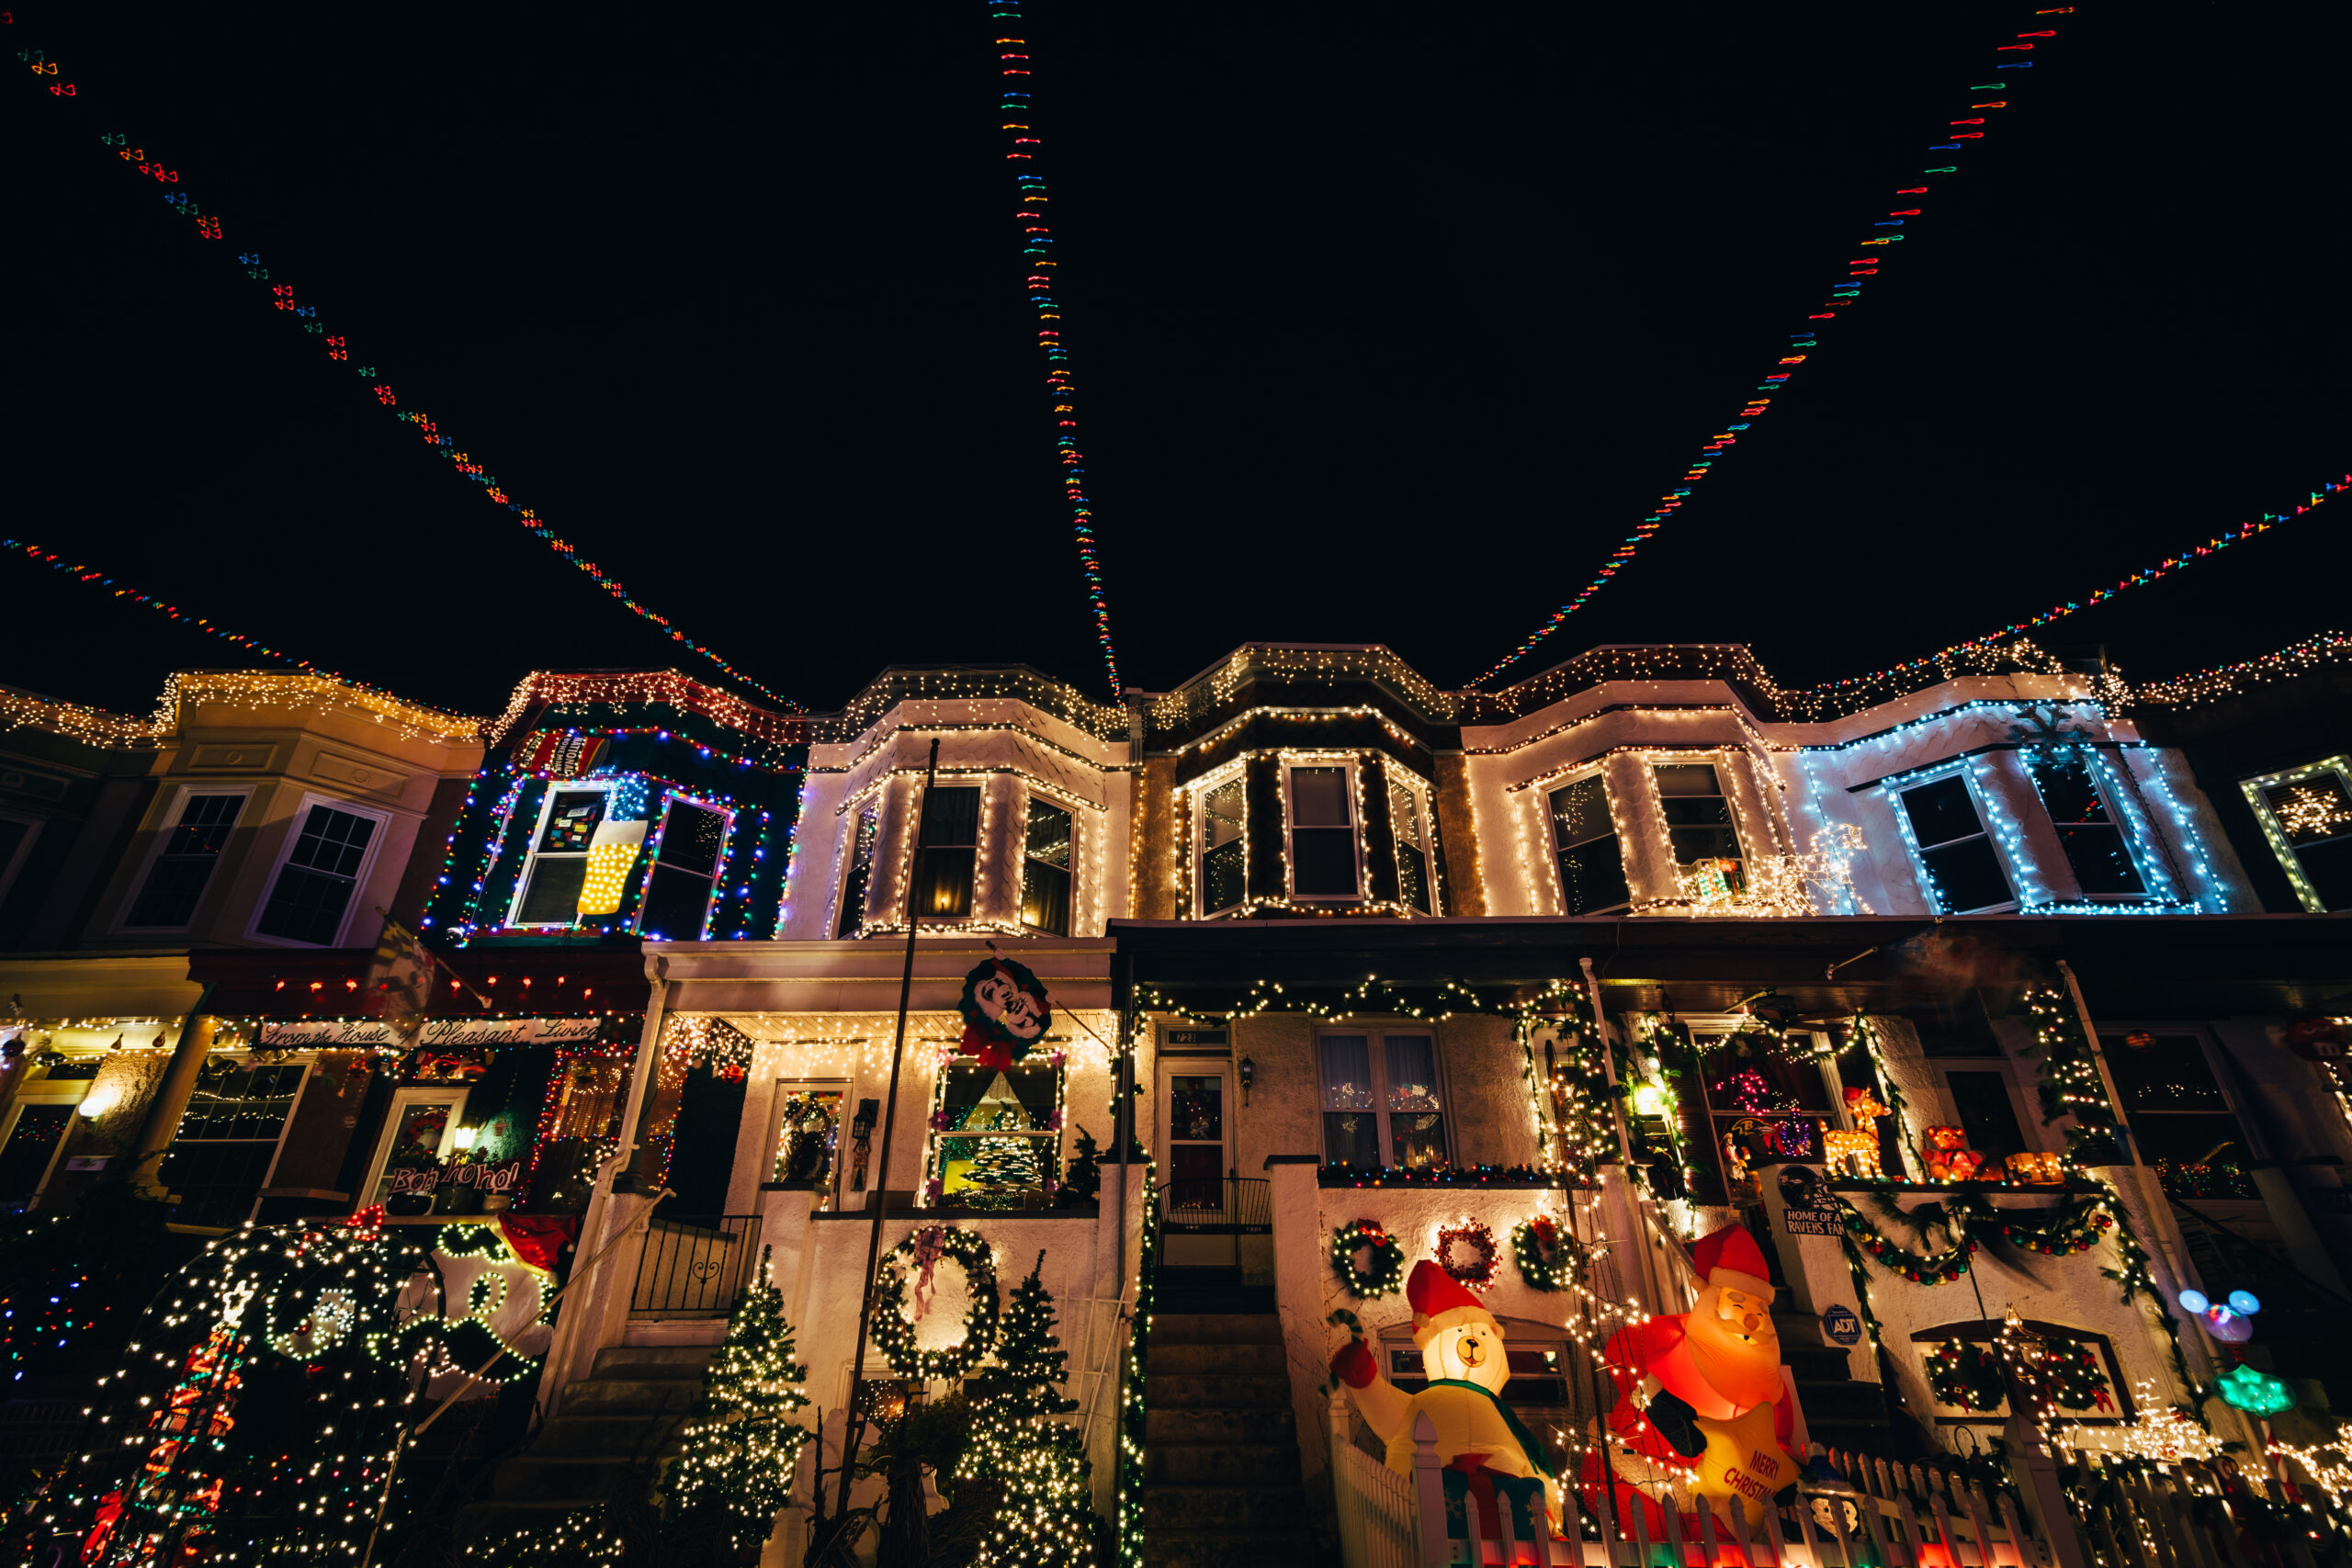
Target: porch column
{"type": "Point", "coordinates": [171, 1098]}
{"type": "Point", "coordinates": [1300, 1271]}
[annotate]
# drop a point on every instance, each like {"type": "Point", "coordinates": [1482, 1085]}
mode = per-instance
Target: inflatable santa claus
{"type": "Point", "coordinates": [1701, 1406]}
{"type": "Point", "coordinates": [1488, 1452]}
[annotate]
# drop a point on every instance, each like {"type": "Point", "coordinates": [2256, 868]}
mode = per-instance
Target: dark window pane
{"type": "Point", "coordinates": [1687, 778]}
{"type": "Point", "coordinates": [1413, 877]}
{"type": "Point", "coordinates": [554, 896]}
{"type": "Point", "coordinates": [1940, 812]}
{"type": "Point", "coordinates": [861, 871]}
{"type": "Point", "coordinates": [2328, 868]}
{"type": "Point", "coordinates": [1418, 1141]}
{"type": "Point", "coordinates": [1698, 818]}
{"type": "Point", "coordinates": [31, 1144]}
{"type": "Point", "coordinates": [1196, 1108]}
{"type": "Point", "coordinates": [11, 833]}
{"type": "Point", "coordinates": [2093, 842]}
{"type": "Point", "coordinates": [1323, 862]}
{"type": "Point", "coordinates": [1987, 1112]}
{"type": "Point", "coordinates": [1350, 1137]}
{"type": "Point", "coordinates": [1048, 836]}
{"type": "Point", "coordinates": [1045, 897]}
{"type": "Point", "coordinates": [2168, 1073]}
{"type": "Point", "coordinates": [1693, 845]}
{"type": "Point", "coordinates": [184, 865]}
{"type": "Point", "coordinates": [944, 881]}
{"type": "Point", "coordinates": [572, 821]}
{"type": "Point", "coordinates": [333, 842]}
{"type": "Point", "coordinates": [1347, 1072]}
{"type": "Point", "coordinates": [692, 838]}
{"type": "Point", "coordinates": [216, 1183]}
{"type": "Point", "coordinates": [1966, 875]}
{"type": "Point", "coordinates": [1222, 883]}
{"type": "Point", "coordinates": [676, 904]}
{"type": "Point", "coordinates": [951, 817]}
{"type": "Point", "coordinates": [1319, 797]}
{"type": "Point", "coordinates": [305, 906]}
{"type": "Point", "coordinates": [1592, 876]}
{"type": "Point", "coordinates": [2203, 1138]}
{"type": "Point", "coordinates": [1580, 811]}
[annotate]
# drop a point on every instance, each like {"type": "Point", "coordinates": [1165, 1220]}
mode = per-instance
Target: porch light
{"type": "Point", "coordinates": [1648, 1099]}
{"type": "Point", "coordinates": [1248, 1070]}
{"type": "Point", "coordinates": [464, 1138]}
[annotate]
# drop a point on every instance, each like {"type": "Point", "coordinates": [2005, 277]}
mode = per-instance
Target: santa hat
{"type": "Point", "coordinates": [1730, 1256]}
{"type": "Point", "coordinates": [1439, 1302]}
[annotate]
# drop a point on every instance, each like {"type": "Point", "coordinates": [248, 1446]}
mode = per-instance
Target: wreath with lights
{"type": "Point", "coordinates": [1548, 1259]}
{"type": "Point", "coordinates": [1479, 1272]}
{"type": "Point", "coordinates": [1966, 1375]}
{"type": "Point", "coordinates": [1386, 1276]}
{"type": "Point", "coordinates": [894, 1333]}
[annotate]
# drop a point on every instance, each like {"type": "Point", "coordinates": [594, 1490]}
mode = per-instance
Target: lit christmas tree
{"type": "Point", "coordinates": [1047, 1513]}
{"type": "Point", "coordinates": [739, 1444]}
{"type": "Point", "coordinates": [1002, 1168]}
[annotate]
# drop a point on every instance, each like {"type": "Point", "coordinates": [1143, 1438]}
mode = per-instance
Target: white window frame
{"type": "Point", "coordinates": [277, 1153]}
{"type": "Point", "coordinates": [785, 1087]}
{"type": "Point", "coordinates": [162, 835]}
{"type": "Point", "coordinates": [652, 855]}
{"type": "Point", "coordinates": [33, 825]}
{"type": "Point", "coordinates": [1235, 772]}
{"type": "Point", "coordinates": [1350, 767]}
{"type": "Point", "coordinates": [1375, 1036]}
{"type": "Point", "coordinates": [1918, 853]}
{"type": "Point", "coordinates": [2256, 791]}
{"type": "Point", "coordinates": [1416, 789]}
{"type": "Point", "coordinates": [2125, 832]}
{"type": "Point", "coordinates": [1549, 824]}
{"type": "Point", "coordinates": [293, 834]}
{"type": "Point", "coordinates": [531, 851]}
{"type": "Point", "coordinates": [852, 812]}
{"type": "Point", "coordinates": [1030, 798]}
{"type": "Point", "coordinates": [412, 1094]}
{"type": "Point", "coordinates": [67, 1092]}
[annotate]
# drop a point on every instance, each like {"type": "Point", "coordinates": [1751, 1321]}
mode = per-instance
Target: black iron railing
{"type": "Point", "coordinates": [1221, 1205]}
{"type": "Point", "coordinates": [695, 1265]}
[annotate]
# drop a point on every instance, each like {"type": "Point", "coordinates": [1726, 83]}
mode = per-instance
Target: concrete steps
{"type": "Point", "coordinates": [617, 1426]}
{"type": "Point", "coordinates": [1221, 1481]}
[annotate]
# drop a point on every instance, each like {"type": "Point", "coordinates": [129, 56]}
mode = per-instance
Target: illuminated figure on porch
{"type": "Point", "coordinates": [1701, 1406]}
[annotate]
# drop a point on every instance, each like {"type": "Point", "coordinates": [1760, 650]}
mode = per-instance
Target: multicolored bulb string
{"type": "Point", "coordinates": [337, 348]}
{"type": "Point", "coordinates": [1037, 253]}
{"type": "Point", "coordinates": [1881, 235]}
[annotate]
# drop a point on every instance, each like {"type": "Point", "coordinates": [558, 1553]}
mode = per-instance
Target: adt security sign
{"type": "Point", "coordinates": [1840, 1326]}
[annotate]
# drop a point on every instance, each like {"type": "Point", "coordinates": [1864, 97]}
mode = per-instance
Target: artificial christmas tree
{"type": "Point", "coordinates": [1046, 1516]}
{"type": "Point", "coordinates": [1002, 1169]}
{"type": "Point", "coordinates": [740, 1445]}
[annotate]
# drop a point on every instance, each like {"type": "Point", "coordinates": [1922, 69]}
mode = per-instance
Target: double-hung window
{"type": "Point", "coordinates": [1961, 869]}
{"type": "Point", "coordinates": [313, 891]}
{"type": "Point", "coordinates": [1382, 1100]}
{"type": "Point", "coordinates": [558, 871]}
{"type": "Point", "coordinates": [1322, 833]}
{"type": "Point", "coordinates": [184, 865]}
{"type": "Point", "coordinates": [858, 875]}
{"type": "Point", "coordinates": [228, 1138]}
{"type": "Point", "coordinates": [1697, 822]}
{"type": "Point", "coordinates": [2306, 813]}
{"type": "Point", "coordinates": [1592, 863]}
{"type": "Point", "coordinates": [685, 866]}
{"type": "Point", "coordinates": [2088, 831]}
{"type": "Point", "coordinates": [1046, 850]}
{"type": "Point", "coordinates": [1412, 848]}
{"type": "Point", "coordinates": [949, 852]}
{"type": "Point", "coordinates": [999, 1135]}
{"type": "Point", "coordinates": [1223, 874]}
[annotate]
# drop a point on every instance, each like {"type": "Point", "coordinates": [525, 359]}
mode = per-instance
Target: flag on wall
{"type": "Point", "coordinates": [400, 982]}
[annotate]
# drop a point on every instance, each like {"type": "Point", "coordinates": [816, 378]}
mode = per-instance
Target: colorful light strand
{"type": "Point", "coordinates": [339, 348]}
{"type": "Point", "coordinates": [1038, 239]}
{"type": "Point", "coordinates": [1843, 296]}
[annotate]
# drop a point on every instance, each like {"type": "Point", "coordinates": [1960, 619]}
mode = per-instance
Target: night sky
{"type": "Point", "coordinates": [1387, 325]}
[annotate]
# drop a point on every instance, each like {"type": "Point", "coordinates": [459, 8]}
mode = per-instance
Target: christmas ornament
{"type": "Point", "coordinates": [2227, 1321]}
{"type": "Point", "coordinates": [2257, 1394]}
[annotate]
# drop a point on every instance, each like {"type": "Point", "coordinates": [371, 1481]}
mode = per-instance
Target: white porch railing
{"type": "Point", "coordinates": [1894, 1517]}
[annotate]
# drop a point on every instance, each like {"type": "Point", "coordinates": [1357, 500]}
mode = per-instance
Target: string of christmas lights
{"type": "Point", "coordinates": [1019, 119]}
{"type": "Point", "coordinates": [1885, 233]}
{"type": "Point", "coordinates": [338, 348]}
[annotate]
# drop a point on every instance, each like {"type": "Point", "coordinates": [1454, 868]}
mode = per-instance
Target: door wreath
{"type": "Point", "coordinates": [894, 1332]}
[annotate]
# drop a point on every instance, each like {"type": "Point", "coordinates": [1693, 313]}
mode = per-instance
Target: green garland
{"type": "Point", "coordinates": [1930, 1269]}
{"type": "Point", "coordinates": [2066, 1080]}
{"type": "Point", "coordinates": [1548, 1258]}
{"type": "Point", "coordinates": [2062, 1233]}
{"type": "Point", "coordinates": [1386, 1275]}
{"type": "Point", "coordinates": [1966, 1375]}
{"type": "Point", "coordinates": [2070, 1376]}
{"type": "Point", "coordinates": [894, 1335]}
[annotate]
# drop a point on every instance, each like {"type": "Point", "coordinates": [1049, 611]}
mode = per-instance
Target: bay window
{"type": "Point", "coordinates": [1592, 862]}
{"type": "Point", "coordinates": [685, 870]}
{"type": "Point", "coordinates": [558, 869]}
{"type": "Point", "coordinates": [1405, 817]}
{"type": "Point", "coordinates": [947, 852]}
{"type": "Point", "coordinates": [1047, 842]}
{"type": "Point", "coordinates": [858, 875]}
{"type": "Point", "coordinates": [2088, 831]}
{"type": "Point", "coordinates": [1697, 822]}
{"type": "Point", "coordinates": [1224, 878]}
{"type": "Point", "coordinates": [183, 865]}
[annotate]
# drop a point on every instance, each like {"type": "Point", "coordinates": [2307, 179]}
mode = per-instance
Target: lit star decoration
{"type": "Point", "coordinates": [1037, 236]}
{"type": "Point", "coordinates": [1883, 234]}
{"type": "Point", "coordinates": [338, 349]}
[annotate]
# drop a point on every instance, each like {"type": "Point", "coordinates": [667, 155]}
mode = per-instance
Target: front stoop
{"type": "Point", "coordinates": [1221, 1481]}
{"type": "Point", "coordinates": [618, 1424]}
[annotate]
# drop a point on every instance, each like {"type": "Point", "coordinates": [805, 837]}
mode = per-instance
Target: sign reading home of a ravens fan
{"type": "Point", "coordinates": [1810, 1210]}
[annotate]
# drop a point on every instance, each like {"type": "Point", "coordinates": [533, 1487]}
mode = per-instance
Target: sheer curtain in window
{"type": "Point", "coordinates": [1351, 1128]}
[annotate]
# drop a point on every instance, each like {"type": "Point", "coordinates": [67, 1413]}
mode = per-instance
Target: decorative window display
{"type": "Point", "coordinates": [1592, 862]}
{"type": "Point", "coordinates": [1406, 819]}
{"type": "Point", "coordinates": [949, 852]}
{"type": "Point", "coordinates": [315, 882]}
{"type": "Point", "coordinates": [557, 871]}
{"type": "Point", "coordinates": [2181, 1116]}
{"type": "Point", "coordinates": [808, 1122]}
{"type": "Point", "coordinates": [1223, 873]}
{"type": "Point", "coordinates": [2306, 813]}
{"type": "Point", "coordinates": [1047, 842]}
{"type": "Point", "coordinates": [228, 1138]}
{"type": "Point", "coordinates": [687, 857]}
{"type": "Point", "coordinates": [2088, 831]}
{"type": "Point", "coordinates": [1383, 1104]}
{"type": "Point", "coordinates": [1323, 833]}
{"type": "Point", "coordinates": [1957, 860]}
{"type": "Point", "coordinates": [996, 1134]}
{"type": "Point", "coordinates": [1697, 822]}
{"type": "Point", "coordinates": [859, 877]}
{"type": "Point", "coordinates": [416, 1137]}
{"type": "Point", "coordinates": [184, 865]}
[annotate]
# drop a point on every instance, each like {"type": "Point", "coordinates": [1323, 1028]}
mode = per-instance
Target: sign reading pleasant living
{"type": "Point", "coordinates": [359, 1033]}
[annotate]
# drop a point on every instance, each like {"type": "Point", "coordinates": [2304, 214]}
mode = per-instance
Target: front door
{"type": "Point", "coordinates": [1195, 1138]}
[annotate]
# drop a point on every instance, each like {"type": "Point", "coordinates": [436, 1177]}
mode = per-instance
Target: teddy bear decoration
{"type": "Point", "coordinates": [1949, 1157]}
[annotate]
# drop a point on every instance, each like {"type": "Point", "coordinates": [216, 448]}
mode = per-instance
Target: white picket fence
{"type": "Point", "coordinates": [1897, 1517]}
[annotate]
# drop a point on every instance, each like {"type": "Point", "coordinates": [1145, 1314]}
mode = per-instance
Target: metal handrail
{"type": "Point", "coordinates": [1218, 1205]}
{"type": "Point", "coordinates": [695, 1265]}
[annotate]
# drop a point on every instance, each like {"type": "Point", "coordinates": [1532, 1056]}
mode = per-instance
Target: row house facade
{"type": "Point", "coordinates": [1640, 948]}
